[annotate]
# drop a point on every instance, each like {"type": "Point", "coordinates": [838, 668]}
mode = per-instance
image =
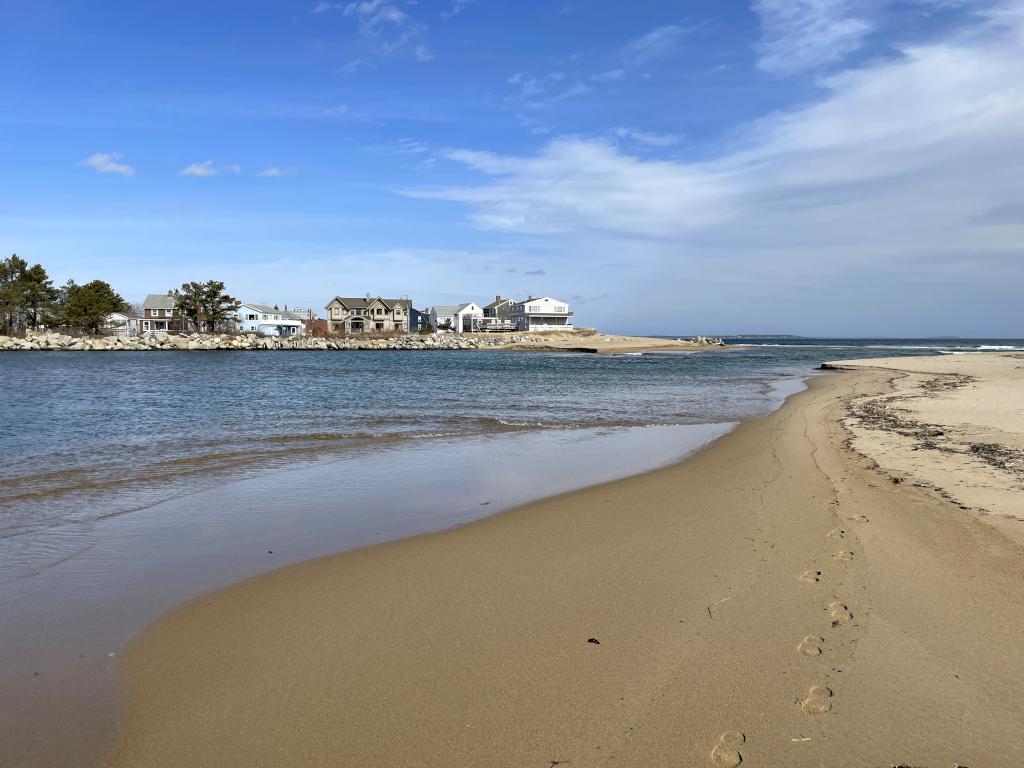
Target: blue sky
{"type": "Point", "coordinates": [844, 167]}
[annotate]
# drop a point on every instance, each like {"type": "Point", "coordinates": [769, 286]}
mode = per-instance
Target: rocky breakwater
{"type": "Point", "coordinates": [55, 342]}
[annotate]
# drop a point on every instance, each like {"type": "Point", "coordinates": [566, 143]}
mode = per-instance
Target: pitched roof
{"type": "Point", "coordinates": [159, 301]}
{"type": "Point", "coordinates": [262, 308]}
{"type": "Point", "coordinates": [498, 302]}
{"type": "Point", "coordinates": [449, 310]}
{"type": "Point", "coordinates": [363, 303]}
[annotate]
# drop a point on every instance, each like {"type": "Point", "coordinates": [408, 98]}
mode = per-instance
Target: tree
{"type": "Point", "coordinates": [26, 294]}
{"type": "Point", "coordinates": [11, 272]}
{"type": "Point", "coordinates": [426, 329]}
{"type": "Point", "coordinates": [205, 305]}
{"type": "Point", "coordinates": [86, 307]}
{"type": "Point", "coordinates": [39, 295]}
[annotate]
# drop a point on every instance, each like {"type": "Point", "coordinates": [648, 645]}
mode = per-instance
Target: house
{"type": "Point", "coordinates": [368, 314]}
{"type": "Point", "coordinates": [267, 321]}
{"type": "Point", "coordinates": [467, 318]}
{"type": "Point", "coordinates": [160, 313]}
{"type": "Point", "coordinates": [496, 315]}
{"type": "Point", "coordinates": [443, 318]}
{"type": "Point", "coordinates": [306, 316]}
{"type": "Point", "coordinates": [122, 324]}
{"type": "Point", "coordinates": [418, 319]}
{"type": "Point", "coordinates": [543, 314]}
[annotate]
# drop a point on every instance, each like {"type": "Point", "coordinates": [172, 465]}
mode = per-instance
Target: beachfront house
{"type": "Point", "coordinates": [122, 324]}
{"type": "Point", "coordinates": [442, 318]}
{"type": "Point", "coordinates": [160, 313]}
{"type": "Point", "coordinates": [368, 315]}
{"type": "Point", "coordinates": [542, 314]}
{"type": "Point", "coordinates": [496, 315]}
{"type": "Point", "coordinates": [467, 318]}
{"type": "Point", "coordinates": [418, 319]}
{"type": "Point", "coordinates": [267, 321]}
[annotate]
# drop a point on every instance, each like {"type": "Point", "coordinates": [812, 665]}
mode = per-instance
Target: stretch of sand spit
{"type": "Point", "coordinates": [775, 599]}
{"type": "Point", "coordinates": [608, 344]}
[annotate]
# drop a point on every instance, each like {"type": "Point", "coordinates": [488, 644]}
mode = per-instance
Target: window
{"type": "Point", "coordinates": [145, 325]}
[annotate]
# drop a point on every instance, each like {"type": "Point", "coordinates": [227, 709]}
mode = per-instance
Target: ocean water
{"type": "Point", "coordinates": [131, 482]}
{"type": "Point", "coordinates": [86, 435]}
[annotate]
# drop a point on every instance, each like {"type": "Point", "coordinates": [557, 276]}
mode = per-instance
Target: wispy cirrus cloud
{"type": "Point", "coordinates": [275, 172]}
{"type": "Point", "coordinates": [107, 162]}
{"type": "Point", "coordinates": [658, 44]}
{"type": "Point", "coordinates": [798, 35]}
{"type": "Point", "coordinates": [647, 138]}
{"type": "Point", "coordinates": [457, 7]}
{"type": "Point", "coordinates": [207, 168]}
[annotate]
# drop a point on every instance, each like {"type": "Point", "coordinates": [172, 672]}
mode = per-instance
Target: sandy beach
{"type": "Point", "coordinates": [607, 344]}
{"type": "Point", "coordinates": [831, 585]}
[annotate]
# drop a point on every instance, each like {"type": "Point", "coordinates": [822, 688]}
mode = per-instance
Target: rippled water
{"type": "Point", "coordinates": [85, 435]}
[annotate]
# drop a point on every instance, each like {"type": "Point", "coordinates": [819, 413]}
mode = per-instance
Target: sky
{"type": "Point", "coordinates": [816, 167]}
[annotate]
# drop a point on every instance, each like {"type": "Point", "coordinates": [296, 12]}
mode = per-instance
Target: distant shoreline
{"type": "Point", "coordinates": [596, 343]}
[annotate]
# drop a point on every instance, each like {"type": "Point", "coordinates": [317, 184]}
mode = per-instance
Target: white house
{"type": "Point", "coordinates": [543, 314]}
{"type": "Point", "coordinates": [443, 318]}
{"type": "Point", "coordinates": [267, 321]}
{"type": "Point", "coordinates": [468, 318]}
{"type": "Point", "coordinates": [122, 324]}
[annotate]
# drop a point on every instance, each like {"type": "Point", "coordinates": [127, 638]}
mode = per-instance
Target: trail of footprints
{"type": "Point", "coordinates": [818, 699]}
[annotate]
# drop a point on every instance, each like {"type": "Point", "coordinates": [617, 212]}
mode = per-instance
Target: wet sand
{"type": "Point", "coordinates": [775, 599]}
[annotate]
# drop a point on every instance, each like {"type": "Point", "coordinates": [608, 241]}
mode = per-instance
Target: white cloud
{"type": "Point", "coordinates": [647, 138]}
{"type": "Point", "coordinates": [660, 43]}
{"type": "Point", "coordinates": [905, 169]}
{"type": "Point", "coordinates": [803, 34]}
{"type": "Point", "coordinates": [609, 76]}
{"type": "Point", "coordinates": [107, 162]}
{"type": "Point", "coordinates": [201, 170]}
{"type": "Point", "coordinates": [458, 6]}
{"type": "Point", "coordinates": [275, 173]}
{"type": "Point", "coordinates": [423, 53]}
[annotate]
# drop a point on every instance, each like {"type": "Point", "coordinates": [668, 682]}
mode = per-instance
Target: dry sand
{"type": "Point", "coordinates": [775, 598]}
{"type": "Point", "coordinates": [607, 344]}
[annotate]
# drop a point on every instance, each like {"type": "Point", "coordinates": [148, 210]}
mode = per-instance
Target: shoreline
{"type": "Point", "coordinates": [71, 605]}
{"type": "Point", "coordinates": [216, 342]}
{"type": "Point", "coordinates": [775, 573]}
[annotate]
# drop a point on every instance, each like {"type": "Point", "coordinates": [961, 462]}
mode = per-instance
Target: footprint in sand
{"type": "Point", "coordinates": [843, 555]}
{"type": "Point", "coordinates": [726, 753]}
{"type": "Point", "coordinates": [811, 645]}
{"type": "Point", "coordinates": [837, 533]}
{"type": "Point", "coordinates": [839, 612]}
{"type": "Point", "coordinates": [818, 700]}
{"type": "Point", "coordinates": [810, 577]}
{"type": "Point", "coordinates": [861, 518]}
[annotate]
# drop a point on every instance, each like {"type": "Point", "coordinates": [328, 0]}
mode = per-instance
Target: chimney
{"type": "Point", "coordinates": [368, 297]}
{"type": "Point", "coordinates": [170, 292]}
{"type": "Point", "coordinates": [498, 297]}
